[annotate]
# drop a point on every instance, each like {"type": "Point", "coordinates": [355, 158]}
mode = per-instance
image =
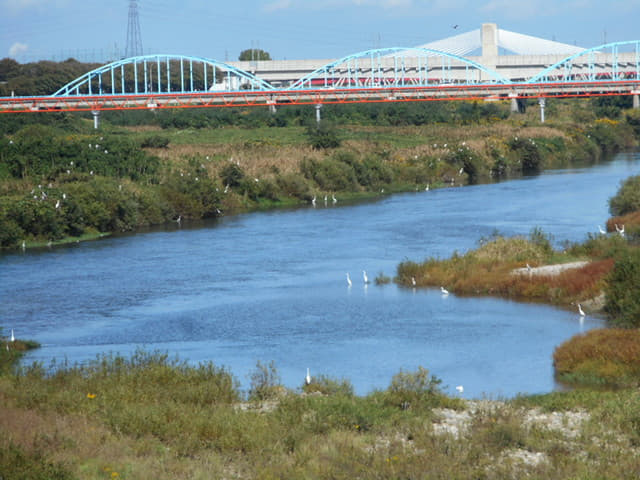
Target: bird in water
{"type": "Point", "coordinates": [333, 198]}
{"type": "Point", "coordinates": [313, 201]}
{"type": "Point", "coordinates": [348, 279]}
{"type": "Point", "coordinates": [580, 311]}
{"type": "Point", "coordinates": [365, 277]}
{"type": "Point", "coordinates": [444, 291]}
{"type": "Point", "coordinates": [13, 339]}
{"type": "Point", "coordinates": [413, 281]}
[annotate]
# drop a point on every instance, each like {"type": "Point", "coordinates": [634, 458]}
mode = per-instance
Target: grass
{"type": "Point", "coordinates": [149, 416]}
{"type": "Point", "coordinates": [490, 270]}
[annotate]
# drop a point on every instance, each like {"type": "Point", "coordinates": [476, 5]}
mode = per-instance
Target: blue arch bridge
{"type": "Point", "coordinates": [440, 71]}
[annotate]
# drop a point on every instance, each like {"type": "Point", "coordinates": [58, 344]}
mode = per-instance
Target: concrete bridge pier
{"type": "Point", "coordinates": [636, 98]}
{"type": "Point", "coordinates": [542, 102]}
{"type": "Point", "coordinates": [318, 108]}
{"type": "Point", "coordinates": [514, 102]}
{"type": "Point", "coordinates": [96, 118]}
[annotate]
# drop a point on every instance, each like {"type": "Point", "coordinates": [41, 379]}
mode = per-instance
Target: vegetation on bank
{"type": "Point", "coordinates": [150, 416]}
{"type": "Point", "coordinates": [59, 178]}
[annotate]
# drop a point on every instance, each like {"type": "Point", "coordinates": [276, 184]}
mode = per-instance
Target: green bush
{"type": "Point", "coordinates": [627, 199]}
{"type": "Point", "coordinates": [414, 389]}
{"type": "Point", "coordinates": [623, 291]}
{"type": "Point", "coordinates": [323, 136]}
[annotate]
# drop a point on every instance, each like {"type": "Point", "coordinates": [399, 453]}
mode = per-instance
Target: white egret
{"type": "Point", "coordinates": [325, 200]}
{"type": "Point", "coordinates": [333, 198]}
{"type": "Point", "coordinates": [444, 291]}
{"type": "Point", "coordinates": [348, 279]}
{"type": "Point", "coordinates": [580, 311]}
{"type": "Point", "coordinates": [307, 379]}
{"type": "Point", "coordinates": [460, 389]}
{"type": "Point", "coordinates": [313, 201]}
{"type": "Point", "coordinates": [13, 338]}
{"type": "Point", "coordinates": [602, 231]}
{"type": "Point", "coordinates": [413, 281]}
{"type": "Point", "coordinates": [364, 277]}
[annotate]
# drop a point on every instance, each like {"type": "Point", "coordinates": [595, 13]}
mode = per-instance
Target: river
{"type": "Point", "coordinates": [272, 286]}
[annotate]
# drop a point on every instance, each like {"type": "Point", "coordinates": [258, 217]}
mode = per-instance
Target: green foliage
{"type": "Point", "coordinates": [328, 386]}
{"type": "Point", "coordinates": [253, 54]}
{"type": "Point", "coordinates": [627, 199]}
{"type": "Point", "coordinates": [623, 291]}
{"type": "Point", "coordinates": [323, 135]}
{"type": "Point", "coordinates": [154, 141]}
{"type": "Point", "coordinates": [414, 389]}
{"type": "Point", "coordinates": [18, 464]}
{"type": "Point", "coordinates": [528, 154]}
{"type": "Point", "coordinates": [265, 382]}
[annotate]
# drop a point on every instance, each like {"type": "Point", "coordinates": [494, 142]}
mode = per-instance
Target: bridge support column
{"type": "Point", "coordinates": [636, 98]}
{"type": "Point", "coordinates": [318, 108]}
{"type": "Point", "coordinates": [542, 102]}
{"type": "Point", "coordinates": [96, 118]}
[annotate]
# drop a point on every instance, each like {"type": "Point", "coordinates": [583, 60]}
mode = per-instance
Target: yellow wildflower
{"type": "Point", "coordinates": [91, 395]}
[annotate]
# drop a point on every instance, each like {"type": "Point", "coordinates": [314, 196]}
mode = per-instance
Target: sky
{"type": "Point", "coordinates": [92, 30]}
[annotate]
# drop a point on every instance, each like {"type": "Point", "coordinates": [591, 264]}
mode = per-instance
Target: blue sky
{"type": "Point", "coordinates": [295, 29]}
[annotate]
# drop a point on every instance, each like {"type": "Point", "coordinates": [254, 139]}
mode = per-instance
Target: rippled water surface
{"type": "Point", "coordinates": [272, 286]}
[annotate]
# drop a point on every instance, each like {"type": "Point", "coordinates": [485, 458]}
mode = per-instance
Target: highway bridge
{"type": "Point", "coordinates": [487, 64]}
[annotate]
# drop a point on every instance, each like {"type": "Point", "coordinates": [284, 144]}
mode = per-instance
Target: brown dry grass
{"type": "Point", "coordinates": [610, 355]}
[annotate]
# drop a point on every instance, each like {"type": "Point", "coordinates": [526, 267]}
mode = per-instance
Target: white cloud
{"type": "Point", "coordinates": [17, 49]}
{"type": "Point", "coordinates": [278, 5]}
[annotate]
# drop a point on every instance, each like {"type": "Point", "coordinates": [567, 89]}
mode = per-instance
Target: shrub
{"type": "Point", "coordinates": [413, 389]}
{"type": "Point", "coordinates": [627, 199]}
{"type": "Point", "coordinates": [602, 356]}
{"type": "Point", "coordinates": [623, 291]}
{"type": "Point", "coordinates": [329, 386]}
{"type": "Point", "coordinates": [265, 382]}
{"type": "Point", "coordinates": [323, 136]}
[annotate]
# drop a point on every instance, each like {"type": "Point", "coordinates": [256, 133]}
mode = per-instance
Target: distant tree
{"type": "Point", "coordinates": [254, 54]}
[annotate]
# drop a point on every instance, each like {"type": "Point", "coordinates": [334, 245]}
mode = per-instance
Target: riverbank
{"type": "Point", "coordinates": [125, 178]}
{"type": "Point", "coordinates": [151, 417]}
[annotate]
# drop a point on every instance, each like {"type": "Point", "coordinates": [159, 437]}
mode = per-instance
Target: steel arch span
{"type": "Point", "coordinates": [398, 67]}
{"type": "Point", "coordinates": [161, 74]}
{"type": "Point", "coordinates": [611, 61]}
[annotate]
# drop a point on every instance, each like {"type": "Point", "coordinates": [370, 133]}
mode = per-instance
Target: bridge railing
{"type": "Point", "coordinates": [161, 74]}
{"type": "Point", "coordinates": [611, 61]}
{"type": "Point", "coordinates": [398, 67]}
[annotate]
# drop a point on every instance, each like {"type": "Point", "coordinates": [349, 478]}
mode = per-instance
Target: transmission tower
{"type": "Point", "coordinates": [134, 37]}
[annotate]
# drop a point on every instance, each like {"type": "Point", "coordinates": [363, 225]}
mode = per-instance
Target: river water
{"type": "Point", "coordinates": [272, 286]}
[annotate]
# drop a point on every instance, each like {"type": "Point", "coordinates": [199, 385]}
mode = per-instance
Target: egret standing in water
{"type": "Point", "coordinates": [348, 279]}
{"type": "Point", "coordinates": [364, 277]}
{"type": "Point", "coordinates": [444, 291]}
{"type": "Point", "coordinates": [580, 311]}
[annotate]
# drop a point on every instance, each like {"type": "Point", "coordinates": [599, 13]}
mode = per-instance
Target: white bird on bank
{"type": "Point", "coordinates": [602, 231]}
{"type": "Point", "coordinates": [13, 339]}
{"type": "Point", "coordinates": [620, 230]}
{"type": "Point", "coordinates": [580, 311]}
{"type": "Point", "coordinates": [444, 291]}
{"type": "Point", "coordinates": [307, 379]}
{"type": "Point", "coordinates": [348, 279]}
